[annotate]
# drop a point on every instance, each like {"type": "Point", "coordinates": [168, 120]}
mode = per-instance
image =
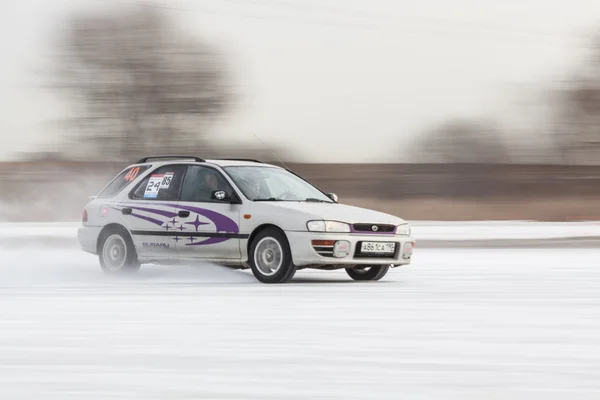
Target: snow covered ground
{"type": "Point", "coordinates": [485, 230]}
{"type": "Point", "coordinates": [456, 324]}
{"type": "Point", "coordinates": [38, 229]}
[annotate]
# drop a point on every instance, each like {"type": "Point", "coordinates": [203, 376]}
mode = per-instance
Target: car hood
{"type": "Point", "coordinates": [340, 212]}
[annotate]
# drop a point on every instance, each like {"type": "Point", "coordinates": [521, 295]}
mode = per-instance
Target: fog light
{"type": "Point", "coordinates": [407, 250]}
{"type": "Point", "coordinates": [341, 248]}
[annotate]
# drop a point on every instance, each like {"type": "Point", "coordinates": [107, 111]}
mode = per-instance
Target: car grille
{"type": "Point", "coordinates": [381, 228]}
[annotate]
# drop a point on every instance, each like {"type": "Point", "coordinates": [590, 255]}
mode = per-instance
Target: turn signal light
{"type": "Point", "coordinates": [323, 242]}
{"type": "Point", "coordinates": [84, 217]}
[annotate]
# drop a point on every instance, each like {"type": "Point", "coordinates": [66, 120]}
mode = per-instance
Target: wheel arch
{"type": "Point", "coordinates": [259, 229]}
{"type": "Point", "coordinates": [113, 227]}
{"type": "Point", "coordinates": [290, 269]}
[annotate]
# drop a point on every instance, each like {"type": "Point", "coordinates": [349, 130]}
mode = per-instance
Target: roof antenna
{"type": "Point", "coordinates": [286, 167]}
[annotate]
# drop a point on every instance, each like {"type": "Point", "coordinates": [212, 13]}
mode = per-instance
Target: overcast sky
{"type": "Point", "coordinates": [338, 80]}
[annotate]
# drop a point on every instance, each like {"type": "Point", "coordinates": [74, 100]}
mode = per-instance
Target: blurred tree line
{"type": "Point", "coordinates": [574, 128]}
{"type": "Point", "coordinates": [577, 135]}
{"type": "Point", "coordinates": [138, 85]}
{"type": "Point", "coordinates": [463, 141]}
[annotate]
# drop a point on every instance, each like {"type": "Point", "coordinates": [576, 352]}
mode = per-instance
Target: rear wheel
{"type": "Point", "coordinates": [270, 257]}
{"type": "Point", "coordinates": [368, 272]}
{"type": "Point", "coordinates": [117, 253]}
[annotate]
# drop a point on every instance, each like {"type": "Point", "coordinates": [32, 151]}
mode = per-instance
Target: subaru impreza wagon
{"type": "Point", "coordinates": [238, 213]}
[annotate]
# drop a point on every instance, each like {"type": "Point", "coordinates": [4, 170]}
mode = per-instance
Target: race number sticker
{"type": "Point", "coordinates": [166, 180]}
{"type": "Point", "coordinates": [153, 187]}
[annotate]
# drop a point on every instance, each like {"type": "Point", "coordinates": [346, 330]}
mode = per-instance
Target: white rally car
{"type": "Point", "coordinates": [239, 213]}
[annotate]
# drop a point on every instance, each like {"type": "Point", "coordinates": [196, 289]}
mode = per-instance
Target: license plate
{"type": "Point", "coordinates": [377, 247]}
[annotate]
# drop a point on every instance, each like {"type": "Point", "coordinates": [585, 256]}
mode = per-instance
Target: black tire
{"type": "Point", "coordinates": [373, 273]}
{"type": "Point", "coordinates": [285, 270]}
{"type": "Point", "coordinates": [130, 264]}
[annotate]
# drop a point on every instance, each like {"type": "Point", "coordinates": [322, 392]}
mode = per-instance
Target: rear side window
{"type": "Point", "coordinates": [123, 179]}
{"type": "Point", "coordinates": [163, 183]}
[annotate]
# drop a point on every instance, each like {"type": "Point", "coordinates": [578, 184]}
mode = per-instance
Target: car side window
{"type": "Point", "coordinates": [124, 179]}
{"type": "Point", "coordinates": [200, 182]}
{"type": "Point", "coordinates": [163, 184]}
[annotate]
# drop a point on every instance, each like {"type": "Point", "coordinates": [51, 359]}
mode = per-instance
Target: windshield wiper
{"type": "Point", "coordinates": [313, 200]}
{"type": "Point", "coordinates": [269, 199]}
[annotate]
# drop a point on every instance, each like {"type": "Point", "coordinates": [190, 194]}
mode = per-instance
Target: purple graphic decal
{"type": "Point", "coordinates": [196, 223]}
{"type": "Point", "coordinates": [169, 214]}
{"type": "Point", "coordinates": [212, 240]}
{"type": "Point", "coordinates": [149, 219]}
{"type": "Point", "coordinates": [222, 223]}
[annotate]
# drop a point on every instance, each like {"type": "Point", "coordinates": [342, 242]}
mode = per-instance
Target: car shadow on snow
{"type": "Point", "coordinates": [202, 274]}
{"type": "Point", "coordinates": [316, 280]}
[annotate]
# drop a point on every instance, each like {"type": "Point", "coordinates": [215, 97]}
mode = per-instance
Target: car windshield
{"type": "Point", "coordinates": [273, 184]}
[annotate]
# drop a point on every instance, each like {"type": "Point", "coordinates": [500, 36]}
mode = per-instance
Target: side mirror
{"type": "Point", "coordinates": [220, 195]}
{"type": "Point", "coordinates": [333, 196]}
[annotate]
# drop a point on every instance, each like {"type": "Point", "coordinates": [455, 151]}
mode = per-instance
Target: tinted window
{"type": "Point", "coordinates": [200, 182]}
{"type": "Point", "coordinates": [162, 184]}
{"type": "Point", "coordinates": [123, 179]}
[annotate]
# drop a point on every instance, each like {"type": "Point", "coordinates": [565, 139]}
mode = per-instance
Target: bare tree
{"type": "Point", "coordinates": [578, 114]}
{"type": "Point", "coordinates": [462, 141]}
{"type": "Point", "coordinates": [137, 84]}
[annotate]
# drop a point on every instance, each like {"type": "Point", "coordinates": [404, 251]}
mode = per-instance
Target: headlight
{"type": "Point", "coordinates": [403, 229]}
{"type": "Point", "coordinates": [327, 226]}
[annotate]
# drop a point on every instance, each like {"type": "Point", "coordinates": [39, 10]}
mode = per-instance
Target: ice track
{"type": "Point", "coordinates": [457, 324]}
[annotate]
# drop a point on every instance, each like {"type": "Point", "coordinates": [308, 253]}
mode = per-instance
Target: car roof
{"type": "Point", "coordinates": [244, 163]}
{"type": "Point", "coordinates": [195, 160]}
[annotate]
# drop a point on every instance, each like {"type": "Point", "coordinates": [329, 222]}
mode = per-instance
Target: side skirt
{"type": "Point", "coordinates": [228, 262]}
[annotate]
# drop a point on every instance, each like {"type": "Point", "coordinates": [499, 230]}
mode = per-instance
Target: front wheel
{"type": "Point", "coordinates": [368, 272]}
{"type": "Point", "coordinates": [270, 257]}
{"type": "Point", "coordinates": [117, 253]}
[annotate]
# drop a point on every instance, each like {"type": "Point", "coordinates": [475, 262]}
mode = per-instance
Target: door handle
{"type": "Point", "coordinates": [183, 214]}
{"type": "Point", "coordinates": [126, 211]}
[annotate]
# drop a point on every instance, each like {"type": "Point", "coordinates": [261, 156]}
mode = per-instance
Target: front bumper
{"type": "Point", "coordinates": [87, 236]}
{"type": "Point", "coordinates": [303, 252]}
